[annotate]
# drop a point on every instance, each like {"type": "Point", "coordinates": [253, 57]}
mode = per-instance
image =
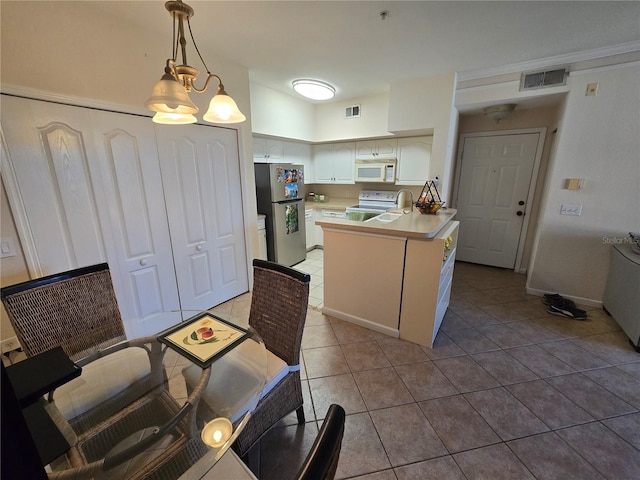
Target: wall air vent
{"type": "Point", "coordinates": [352, 112]}
{"type": "Point", "coordinates": [546, 78]}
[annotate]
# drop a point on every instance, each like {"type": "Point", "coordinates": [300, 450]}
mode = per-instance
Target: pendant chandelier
{"type": "Point", "coordinates": [170, 96]}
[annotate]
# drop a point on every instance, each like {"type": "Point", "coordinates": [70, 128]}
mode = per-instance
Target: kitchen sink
{"type": "Point", "coordinates": [386, 217]}
{"type": "Point", "coordinates": [361, 216]}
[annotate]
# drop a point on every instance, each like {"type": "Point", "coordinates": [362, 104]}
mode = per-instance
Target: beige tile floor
{"type": "Point", "coordinates": [508, 392]}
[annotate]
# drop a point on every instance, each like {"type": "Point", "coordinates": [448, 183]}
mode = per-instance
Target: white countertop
{"type": "Point", "coordinates": [411, 225]}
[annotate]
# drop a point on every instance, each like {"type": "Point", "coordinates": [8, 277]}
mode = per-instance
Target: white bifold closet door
{"type": "Point", "coordinates": [85, 187]}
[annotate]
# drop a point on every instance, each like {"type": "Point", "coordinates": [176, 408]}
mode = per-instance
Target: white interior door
{"type": "Point", "coordinates": [201, 177]}
{"type": "Point", "coordinates": [130, 181]}
{"type": "Point", "coordinates": [494, 182]}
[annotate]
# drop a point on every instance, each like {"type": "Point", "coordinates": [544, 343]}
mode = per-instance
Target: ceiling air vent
{"type": "Point", "coordinates": [547, 78]}
{"type": "Point", "coordinates": [352, 112]}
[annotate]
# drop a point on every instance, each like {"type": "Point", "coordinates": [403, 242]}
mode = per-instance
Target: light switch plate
{"type": "Point", "coordinates": [571, 210]}
{"type": "Point", "coordinates": [7, 248]}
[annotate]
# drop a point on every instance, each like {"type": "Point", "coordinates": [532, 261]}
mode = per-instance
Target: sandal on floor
{"type": "Point", "coordinates": [564, 311]}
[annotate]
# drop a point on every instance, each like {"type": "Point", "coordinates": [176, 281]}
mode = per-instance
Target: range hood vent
{"type": "Point", "coordinates": [352, 112]}
{"type": "Point", "coordinates": [543, 79]}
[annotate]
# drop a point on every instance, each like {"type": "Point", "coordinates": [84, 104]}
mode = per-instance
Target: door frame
{"type": "Point", "coordinates": [542, 131]}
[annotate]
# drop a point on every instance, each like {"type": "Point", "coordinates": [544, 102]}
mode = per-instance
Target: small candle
{"type": "Point", "coordinates": [217, 432]}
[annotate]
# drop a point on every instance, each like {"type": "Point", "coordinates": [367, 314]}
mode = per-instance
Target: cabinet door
{"type": "Point", "coordinates": [414, 157]}
{"type": "Point", "coordinates": [366, 150]}
{"type": "Point", "coordinates": [274, 151]}
{"type": "Point", "coordinates": [344, 163]}
{"type": "Point", "coordinates": [323, 163]}
{"type": "Point", "coordinates": [267, 150]}
{"type": "Point", "coordinates": [201, 175]}
{"type": "Point", "coordinates": [309, 230]}
{"type": "Point", "coordinates": [259, 149]}
{"type": "Point", "coordinates": [386, 148]}
{"type": "Point", "coordinates": [299, 153]}
{"type": "Point", "coordinates": [376, 149]}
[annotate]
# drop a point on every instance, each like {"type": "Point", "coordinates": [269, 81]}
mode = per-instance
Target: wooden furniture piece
{"type": "Point", "coordinates": [322, 461]}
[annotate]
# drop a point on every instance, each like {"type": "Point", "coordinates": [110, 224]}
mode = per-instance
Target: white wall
{"type": "Point", "coordinates": [331, 124]}
{"type": "Point", "coordinates": [598, 140]}
{"type": "Point", "coordinates": [276, 114]}
{"type": "Point", "coordinates": [425, 106]}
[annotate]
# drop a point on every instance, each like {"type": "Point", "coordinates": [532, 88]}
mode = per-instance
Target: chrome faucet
{"type": "Point", "coordinates": [398, 194]}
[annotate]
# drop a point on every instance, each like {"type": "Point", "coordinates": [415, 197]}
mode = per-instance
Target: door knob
{"type": "Point", "coordinates": [519, 213]}
{"type": "Point", "coordinates": [521, 202]}
{"type": "Point", "coordinates": [143, 262]}
{"type": "Point", "coordinates": [198, 247]}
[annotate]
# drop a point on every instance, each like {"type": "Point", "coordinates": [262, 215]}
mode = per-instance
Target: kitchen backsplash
{"type": "Point", "coordinates": [352, 191]}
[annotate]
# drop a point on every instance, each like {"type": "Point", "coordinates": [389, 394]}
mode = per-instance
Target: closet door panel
{"type": "Point", "coordinates": [201, 175]}
{"type": "Point", "coordinates": [49, 152]}
{"type": "Point", "coordinates": [131, 184]}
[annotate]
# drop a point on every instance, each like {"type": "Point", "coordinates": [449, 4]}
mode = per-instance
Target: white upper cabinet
{"type": "Point", "coordinates": [299, 154]}
{"type": "Point", "coordinates": [334, 162]}
{"type": "Point", "coordinates": [414, 157]}
{"type": "Point", "coordinates": [267, 150]}
{"type": "Point", "coordinates": [377, 149]}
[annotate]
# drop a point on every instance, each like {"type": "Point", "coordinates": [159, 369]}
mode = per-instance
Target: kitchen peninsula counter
{"type": "Point", "coordinates": [411, 225]}
{"type": "Point", "coordinates": [392, 277]}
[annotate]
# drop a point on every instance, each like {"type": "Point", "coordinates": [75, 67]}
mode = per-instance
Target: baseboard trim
{"type": "Point", "coordinates": [588, 302]}
{"type": "Point", "coordinates": [361, 321]}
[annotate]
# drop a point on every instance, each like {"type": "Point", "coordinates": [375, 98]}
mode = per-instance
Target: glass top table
{"type": "Point", "coordinates": [137, 409]}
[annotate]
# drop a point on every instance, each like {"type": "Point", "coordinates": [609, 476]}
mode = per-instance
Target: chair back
{"type": "Point", "coordinates": [322, 461]}
{"type": "Point", "coordinates": [279, 308]}
{"type": "Point", "coordinates": [77, 310]}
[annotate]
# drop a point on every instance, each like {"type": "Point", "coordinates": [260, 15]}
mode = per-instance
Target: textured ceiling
{"type": "Point", "coordinates": [349, 45]}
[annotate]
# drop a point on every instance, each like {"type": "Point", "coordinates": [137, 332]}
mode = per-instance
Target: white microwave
{"type": "Point", "coordinates": [375, 171]}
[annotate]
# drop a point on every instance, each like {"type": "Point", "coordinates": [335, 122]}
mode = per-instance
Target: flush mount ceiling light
{"type": "Point", "coordinates": [314, 89]}
{"type": "Point", "coordinates": [499, 112]}
{"type": "Point", "coordinates": [170, 96]}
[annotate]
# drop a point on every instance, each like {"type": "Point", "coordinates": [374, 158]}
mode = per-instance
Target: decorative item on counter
{"type": "Point", "coordinates": [312, 196]}
{"type": "Point", "coordinates": [429, 200]}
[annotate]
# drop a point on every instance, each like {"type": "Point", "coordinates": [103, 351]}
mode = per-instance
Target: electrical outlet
{"type": "Point", "coordinates": [592, 90]}
{"type": "Point", "coordinates": [571, 210]}
{"type": "Point", "coordinates": [9, 344]}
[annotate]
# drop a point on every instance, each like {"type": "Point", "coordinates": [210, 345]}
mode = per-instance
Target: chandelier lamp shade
{"type": "Point", "coordinates": [170, 95]}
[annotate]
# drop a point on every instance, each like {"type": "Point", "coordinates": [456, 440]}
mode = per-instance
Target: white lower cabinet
{"type": "Point", "coordinates": [309, 221]}
{"type": "Point", "coordinates": [427, 285]}
{"type": "Point", "coordinates": [86, 186]}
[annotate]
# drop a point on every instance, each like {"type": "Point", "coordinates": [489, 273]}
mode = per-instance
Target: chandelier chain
{"type": "Point", "coordinates": [196, 47]}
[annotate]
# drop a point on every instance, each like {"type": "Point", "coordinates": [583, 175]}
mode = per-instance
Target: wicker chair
{"type": "Point", "coordinates": [78, 311]}
{"type": "Point", "coordinates": [278, 312]}
{"type": "Point", "coordinates": [322, 461]}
